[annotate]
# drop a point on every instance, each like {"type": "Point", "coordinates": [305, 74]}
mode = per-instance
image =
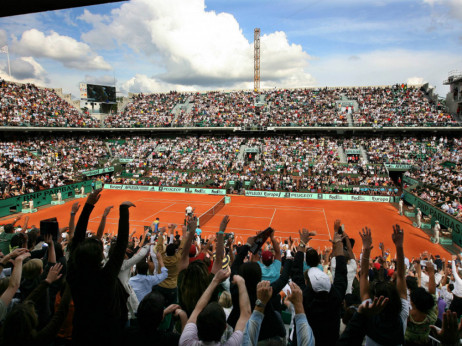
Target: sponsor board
{"type": "Point", "coordinates": [398, 166]}
{"type": "Point", "coordinates": [165, 189]}
{"type": "Point", "coordinates": [327, 196]}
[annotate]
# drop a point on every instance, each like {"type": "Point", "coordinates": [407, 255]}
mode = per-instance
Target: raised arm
{"type": "Point", "coordinates": [219, 277]}
{"type": "Point", "coordinates": [26, 222]}
{"type": "Point", "coordinates": [398, 237]}
{"type": "Point", "coordinates": [431, 278]}
{"type": "Point", "coordinates": [82, 224]}
{"type": "Point", "coordinates": [366, 238]}
{"type": "Point", "coordinates": [220, 248]}
{"type": "Point", "coordinates": [15, 279]}
{"type": "Point", "coordinates": [114, 263]}
{"type": "Point", "coordinates": [51, 249]}
{"type": "Point", "coordinates": [102, 224]}
{"type": "Point", "coordinates": [276, 247]}
{"type": "Point", "coordinates": [183, 263]}
{"type": "Point", "coordinates": [244, 303]}
{"type": "Point", "coordinates": [74, 210]}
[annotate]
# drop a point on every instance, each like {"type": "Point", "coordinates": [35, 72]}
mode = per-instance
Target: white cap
{"type": "Point", "coordinates": [319, 280]}
{"type": "Point", "coordinates": [437, 221]}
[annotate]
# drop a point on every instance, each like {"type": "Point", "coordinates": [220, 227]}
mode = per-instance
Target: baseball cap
{"type": "Point", "coordinates": [390, 272]}
{"type": "Point", "coordinates": [320, 282]}
{"type": "Point", "coordinates": [267, 256]}
{"type": "Point", "coordinates": [377, 266]}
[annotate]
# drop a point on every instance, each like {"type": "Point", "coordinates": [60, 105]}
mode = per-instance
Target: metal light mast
{"type": "Point", "coordinates": [256, 59]}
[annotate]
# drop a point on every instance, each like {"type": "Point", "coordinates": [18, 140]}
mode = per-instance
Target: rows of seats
{"type": "Point", "coordinates": [283, 163]}
{"type": "Point", "coordinates": [397, 105]}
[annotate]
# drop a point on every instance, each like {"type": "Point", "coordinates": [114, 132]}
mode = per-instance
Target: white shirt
{"type": "Point", "coordinates": [351, 272]}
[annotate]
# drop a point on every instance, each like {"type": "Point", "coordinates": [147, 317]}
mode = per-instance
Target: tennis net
{"type": "Point", "coordinates": [205, 217]}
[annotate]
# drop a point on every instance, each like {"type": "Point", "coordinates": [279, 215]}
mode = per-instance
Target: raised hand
{"type": "Point", "coordinates": [375, 308]}
{"type": "Point", "coordinates": [366, 237]}
{"type": "Point", "coordinates": [171, 308]}
{"type": "Point", "coordinates": [94, 197]}
{"type": "Point", "coordinates": [192, 224]}
{"type": "Point", "coordinates": [237, 279]}
{"type": "Point", "coordinates": [296, 294]}
{"type": "Point", "coordinates": [54, 273]}
{"type": "Point", "coordinates": [337, 225]}
{"type": "Point", "coordinates": [305, 235]}
{"type": "Point", "coordinates": [75, 207]}
{"type": "Point", "coordinates": [450, 331]}
{"type": "Point", "coordinates": [397, 236]}
{"type": "Point", "coordinates": [48, 238]}
{"type": "Point", "coordinates": [224, 224]}
{"type": "Point", "coordinates": [222, 275]}
{"type": "Point", "coordinates": [107, 210]}
{"type": "Point", "coordinates": [264, 291]}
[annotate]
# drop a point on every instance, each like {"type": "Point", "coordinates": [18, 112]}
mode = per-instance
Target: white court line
{"type": "Point", "coordinates": [273, 205]}
{"type": "Point", "coordinates": [253, 217]}
{"type": "Point", "coordinates": [173, 200]}
{"type": "Point", "coordinates": [325, 218]}
{"type": "Point", "coordinates": [272, 217]}
{"type": "Point", "coordinates": [279, 207]}
{"type": "Point", "coordinates": [159, 211]}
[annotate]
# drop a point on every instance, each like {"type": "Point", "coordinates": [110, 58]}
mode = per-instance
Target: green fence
{"type": "Point", "coordinates": [437, 214]}
{"type": "Point", "coordinates": [14, 204]}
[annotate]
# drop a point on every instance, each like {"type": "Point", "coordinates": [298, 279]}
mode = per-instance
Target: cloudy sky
{"type": "Point", "coordinates": [159, 45]}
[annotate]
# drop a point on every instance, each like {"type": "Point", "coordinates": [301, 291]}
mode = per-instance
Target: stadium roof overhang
{"type": "Point", "coordinates": [14, 8]}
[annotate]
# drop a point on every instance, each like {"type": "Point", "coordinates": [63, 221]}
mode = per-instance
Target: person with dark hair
{"type": "Point", "coordinates": [382, 316]}
{"type": "Point", "coordinates": [150, 314]}
{"type": "Point", "coordinates": [424, 311]}
{"type": "Point", "coordinates": [142, 283]}
{"type": "Point", "coordinates": [207, 322]}
{"type": "Point", "coordinates": [100, 300]}
{"type": "Point", "coordinates": [21, 326]}
{"type": "Point", "coordinates": [272, 325]}
{"type": "Point", "coordinates": [171, 258]}
{"type": "Point", "coordinates": [322, 300]}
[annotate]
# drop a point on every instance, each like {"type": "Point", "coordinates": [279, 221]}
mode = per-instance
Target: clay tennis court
{"type": "Point", "coordinates": [249, 215]}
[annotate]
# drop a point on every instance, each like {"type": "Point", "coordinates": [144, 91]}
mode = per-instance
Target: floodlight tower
{"type": "Point", "coordinates": [256, 59]}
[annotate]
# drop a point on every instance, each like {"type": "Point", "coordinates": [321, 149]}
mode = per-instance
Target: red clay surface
{"type": "Point", "coordinates": [249, 215]}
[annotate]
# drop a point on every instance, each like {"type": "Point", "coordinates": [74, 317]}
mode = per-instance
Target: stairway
{"type": "Point", "coordinates": [364, 154]}
{"type": "Point", "coordinates": [342, 155]}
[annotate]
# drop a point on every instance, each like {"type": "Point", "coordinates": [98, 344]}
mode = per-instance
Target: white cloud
{"type": "Point", "coordinates": [25, 70]}
{"type": "Point", "coordinates": [415, 81]}
{"type": "Point", "coordinates": [196, 47]}
{"type": "Point", "coordinates": [145, 84]}
{"type": "Point", "coordinates": [70, 52]}
{"type": "Point", "coordinates": [385, 67]}
{"type": "Point", "coordinates": [100, 80]}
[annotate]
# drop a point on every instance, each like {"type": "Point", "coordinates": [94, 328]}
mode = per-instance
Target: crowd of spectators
{"type": "Point", "coordinates": [28, 105]}
{"type": "Point", "coordinates": [283, 163]}
{"type": "Point", "coordinates": [176, 286]}
{"type": "Point", "coordinates": [398, 105]}
{"type": "Point", "coordinates": [41, 163]}
{"type": "Point", "coordinates": [150, 110]}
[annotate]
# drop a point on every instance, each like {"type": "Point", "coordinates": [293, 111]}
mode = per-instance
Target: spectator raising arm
{"type": "Point", "coordinates": [74, 210]}
{"type": "Point", "coordinates": [398, 236]}
{"type": "Point", "coordinates": [366, 237]}
{"type": "Point", "coordinates": [305, 335]}
{"type": "Point", "coordinates": [20, 255]}
{"type": "Point", "coordinates": [102, 224]}
{"type": "Point", "coordinates": [191, 229]}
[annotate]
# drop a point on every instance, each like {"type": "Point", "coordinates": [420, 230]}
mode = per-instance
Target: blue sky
{"type": "Point", "coordinates": [154, 45]}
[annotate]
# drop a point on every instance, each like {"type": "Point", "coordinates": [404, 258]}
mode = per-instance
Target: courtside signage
{"type": "Point", "coordinates": [165, 189]}
{"type": "Point", "coordinates": [327, 196]}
